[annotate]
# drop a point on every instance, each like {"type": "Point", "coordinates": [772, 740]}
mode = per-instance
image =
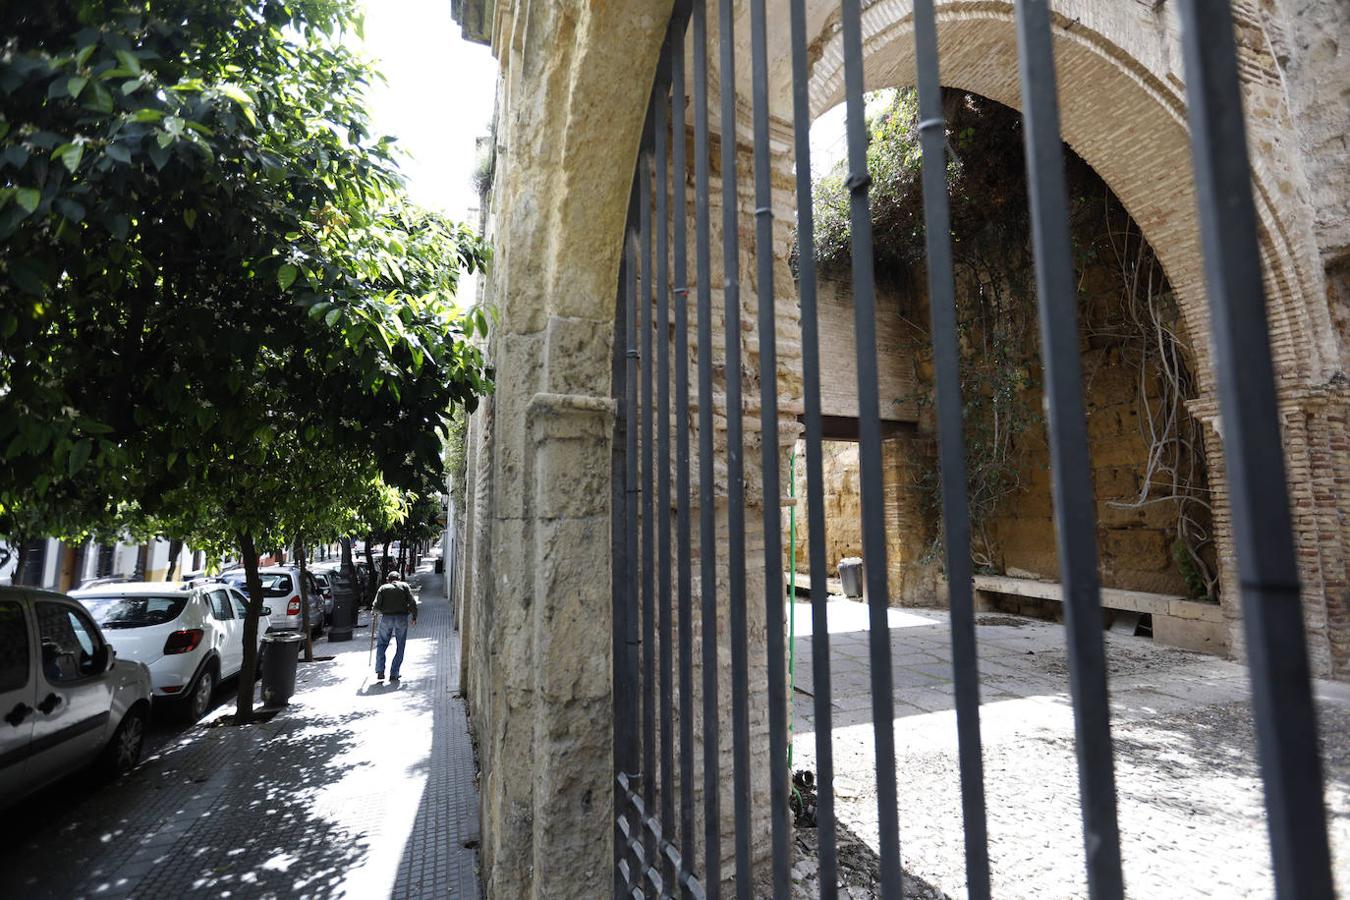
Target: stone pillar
{"type": "Point", "coordinates": [575, 78]}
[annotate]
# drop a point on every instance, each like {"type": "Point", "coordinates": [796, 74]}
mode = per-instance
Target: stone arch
{"type": "Point", "coordinates": [1122, 107]}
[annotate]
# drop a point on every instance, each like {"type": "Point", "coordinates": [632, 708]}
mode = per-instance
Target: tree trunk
{"type": "Point", "coordinates": [175, 551]}
{"type": "Point", "coordinates": [304, 600]}
{"type": "Point", "coordinates": [243, 710]}
{"type": "Point", "coordinates": [77, 566]}
{"type": "Point", "coordinates": [17, 577]}
{"type": "Point", "coordinates": [370, 564]}
{"type": "Point", "coordinates": [384, 566]}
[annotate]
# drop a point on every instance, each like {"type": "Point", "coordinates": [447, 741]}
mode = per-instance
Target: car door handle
{"type": "Point", "coordinates": [18, 714]}
{"type": "Point", "coordinates": [49, 704]}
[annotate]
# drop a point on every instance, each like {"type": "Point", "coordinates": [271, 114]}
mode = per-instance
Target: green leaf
{"type": "Point", "coordinates": [100, 100]}
{"type": "Point", "coordinates": [83, 54]}
{"type": "Point", "coordinates": [235, 93]}
{"type": "Point", "coordinates": [129, 61]}
{"type": "Point", "coordinates": [118, 152]}
{"type": "Point", "coordinates": [75, 85]}
{"type": "Point", "coordinates": [28, 199]}
{"type": "Point", "coordinates": [190, 217]}
{"type": "Point", "coordinates": [286, 276]}
{"type": "Point", "coordinates": [70, 154]}
{"type": "Point", "coordinates": [79, 455]}
{"type": "Point", "coordinates": [159, 155]}
{"type": "Point", "coordinates": [333, 315]}
{"type": "Point", "coordinates": [147, 115]}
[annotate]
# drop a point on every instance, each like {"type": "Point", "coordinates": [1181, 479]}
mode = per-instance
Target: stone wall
{"type": "Point", "coordinates": [574, 86]}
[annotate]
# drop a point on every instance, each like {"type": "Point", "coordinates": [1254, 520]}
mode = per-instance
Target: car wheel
{"type": "Point", "coordinates": [124, 750]}
{"type": "Point", "coordinates": [198, 703]}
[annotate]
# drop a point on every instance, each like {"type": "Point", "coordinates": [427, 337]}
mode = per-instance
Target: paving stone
{"type": "Point", "coordinates": [1190, 796]}
{"type": "Point", "coordinates": [353, 790]}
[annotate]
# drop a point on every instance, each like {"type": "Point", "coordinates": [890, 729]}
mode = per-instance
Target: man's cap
{"type": "Point", "coordinates": [394, 576]}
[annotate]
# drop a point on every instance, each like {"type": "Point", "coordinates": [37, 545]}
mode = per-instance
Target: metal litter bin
{"type": "Point", "coordinates": [851, 575]}
{"type": "Point", "coordinates": [281, 652]}
{"type": "Point", "coordinates": [344, 609]}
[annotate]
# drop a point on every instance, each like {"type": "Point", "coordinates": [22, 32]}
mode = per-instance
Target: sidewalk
{"type": "Point", "coordinates": [354, 790]}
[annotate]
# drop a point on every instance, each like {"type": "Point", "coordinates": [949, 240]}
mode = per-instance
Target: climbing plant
{"type": "Point", "coordinates": [996, 308]}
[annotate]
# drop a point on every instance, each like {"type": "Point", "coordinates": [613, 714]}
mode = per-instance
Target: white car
{"type": "Point", "coordinates": [191, 638]}
{"type": "Point", "coordinates": [65, 697]}
{"type": "Point", "coordinates": [281, 593]}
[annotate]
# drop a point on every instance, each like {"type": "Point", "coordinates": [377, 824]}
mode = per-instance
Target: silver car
{"type": "Point", "coordinates": [281, 590]}
{"type": "Point", "coordinates": [66, 700]}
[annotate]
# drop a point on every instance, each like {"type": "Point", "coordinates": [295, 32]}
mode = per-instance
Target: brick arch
{"type": "Point", "coordinates": [1122, 110]}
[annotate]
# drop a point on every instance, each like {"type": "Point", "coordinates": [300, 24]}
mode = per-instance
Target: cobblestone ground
{"type": "Point", "coordinates": [1190, 804]}
{"type": "Point", "coordinates": [353, 790]}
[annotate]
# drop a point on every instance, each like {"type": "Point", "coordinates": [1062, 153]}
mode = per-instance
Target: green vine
{"type": "Point", "coordinates": [997, 309]}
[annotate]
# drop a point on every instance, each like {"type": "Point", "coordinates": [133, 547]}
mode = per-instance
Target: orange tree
{"type": "Point", "coordinates": [211, 282]}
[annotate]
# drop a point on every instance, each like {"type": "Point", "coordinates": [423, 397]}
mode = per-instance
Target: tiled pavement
{"type": "Point", "coordinates": [1189, 793]}
{"type": "Point", "coordinates": [354, 790]}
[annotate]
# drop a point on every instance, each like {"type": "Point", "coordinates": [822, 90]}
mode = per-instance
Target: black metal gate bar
{"type": "Point", "coordinates": [647, 860]}
{"type": "Point", "coordinates": [779, 782]}
{"type": "Point", "coordinates": [827, 872]}
{"type": "Point", "coordinates": [628, 735]}
{"type": "Point", "coordinates": [645, 299]}
{"type": "Point", "coordinates": [664, 649]}
{"type": "Point", "coordinates": [869, 452]}
{"type": "Point", "coordinates": [1286, 722]}
{"type": "Point", "coordinates": [951, 448]}
{"type": "Point", "coordinates": [683, 576]}
{"type": "Point", "coordinates": [731, 297]}
{"type": "Point", "coordinates": [1075, 513]}
{"type": "Point", "coordinates": [624, 680]}
{"type": "Point", "coordinates": [712, 815]}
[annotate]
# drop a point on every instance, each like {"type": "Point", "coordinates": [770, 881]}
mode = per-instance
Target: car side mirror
{"type": "Point", "coordinates": [267, 610]}
{"type": "Point", "coordinates": [110, 657]}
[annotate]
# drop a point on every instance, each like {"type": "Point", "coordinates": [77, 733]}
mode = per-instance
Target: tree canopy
{"type": "Point", "coordinates": [221, 319]}
{"type": "Point", "coordinates": [208, 261]}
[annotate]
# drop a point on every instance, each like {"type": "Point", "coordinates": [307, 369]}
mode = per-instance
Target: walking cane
{"type": "Point", "coordinates": [370, 656]}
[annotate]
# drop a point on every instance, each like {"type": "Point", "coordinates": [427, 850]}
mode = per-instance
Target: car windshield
{"type": "Point", "coordinates": [274, 584]}
{"type": "Point", "coordinates": [134, 612]}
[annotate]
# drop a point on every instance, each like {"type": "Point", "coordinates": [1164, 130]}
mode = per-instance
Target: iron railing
{"type": "Point", "coordinates": [655, 806]}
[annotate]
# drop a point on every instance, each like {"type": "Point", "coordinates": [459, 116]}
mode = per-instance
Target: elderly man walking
{"type": "Point", "coordinates": [397, 608]}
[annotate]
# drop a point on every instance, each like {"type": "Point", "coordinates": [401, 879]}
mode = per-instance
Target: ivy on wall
{"type": "Point", "coordinates": [996, 310]}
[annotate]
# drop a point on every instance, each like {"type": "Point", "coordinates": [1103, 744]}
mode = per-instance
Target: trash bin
{"type": "Point", "coordinates": [344, 609]}
{"type": "Point", "coordinates": [281, 651]}
{"type": "Point", "coordinates": [440, 565]}
{"type": "Point", "coordinates": [851, 575]}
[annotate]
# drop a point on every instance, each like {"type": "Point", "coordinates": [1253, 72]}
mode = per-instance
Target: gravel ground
{"type": "Point", "coordinates": [1190, 802]}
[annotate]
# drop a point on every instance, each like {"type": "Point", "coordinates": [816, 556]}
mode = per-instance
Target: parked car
{"type": "Point", "coordinates": [281, 592]}
{"type": "Point", "coordinates": [65, 697]}
{"type": "Point", "coordinates": [325, 583]}
{"type": "Point", "coordinates": [190, 637]}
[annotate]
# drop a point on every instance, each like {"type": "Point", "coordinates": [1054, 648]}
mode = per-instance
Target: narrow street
{"type": "Point", "coordinates": [355, 789]}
